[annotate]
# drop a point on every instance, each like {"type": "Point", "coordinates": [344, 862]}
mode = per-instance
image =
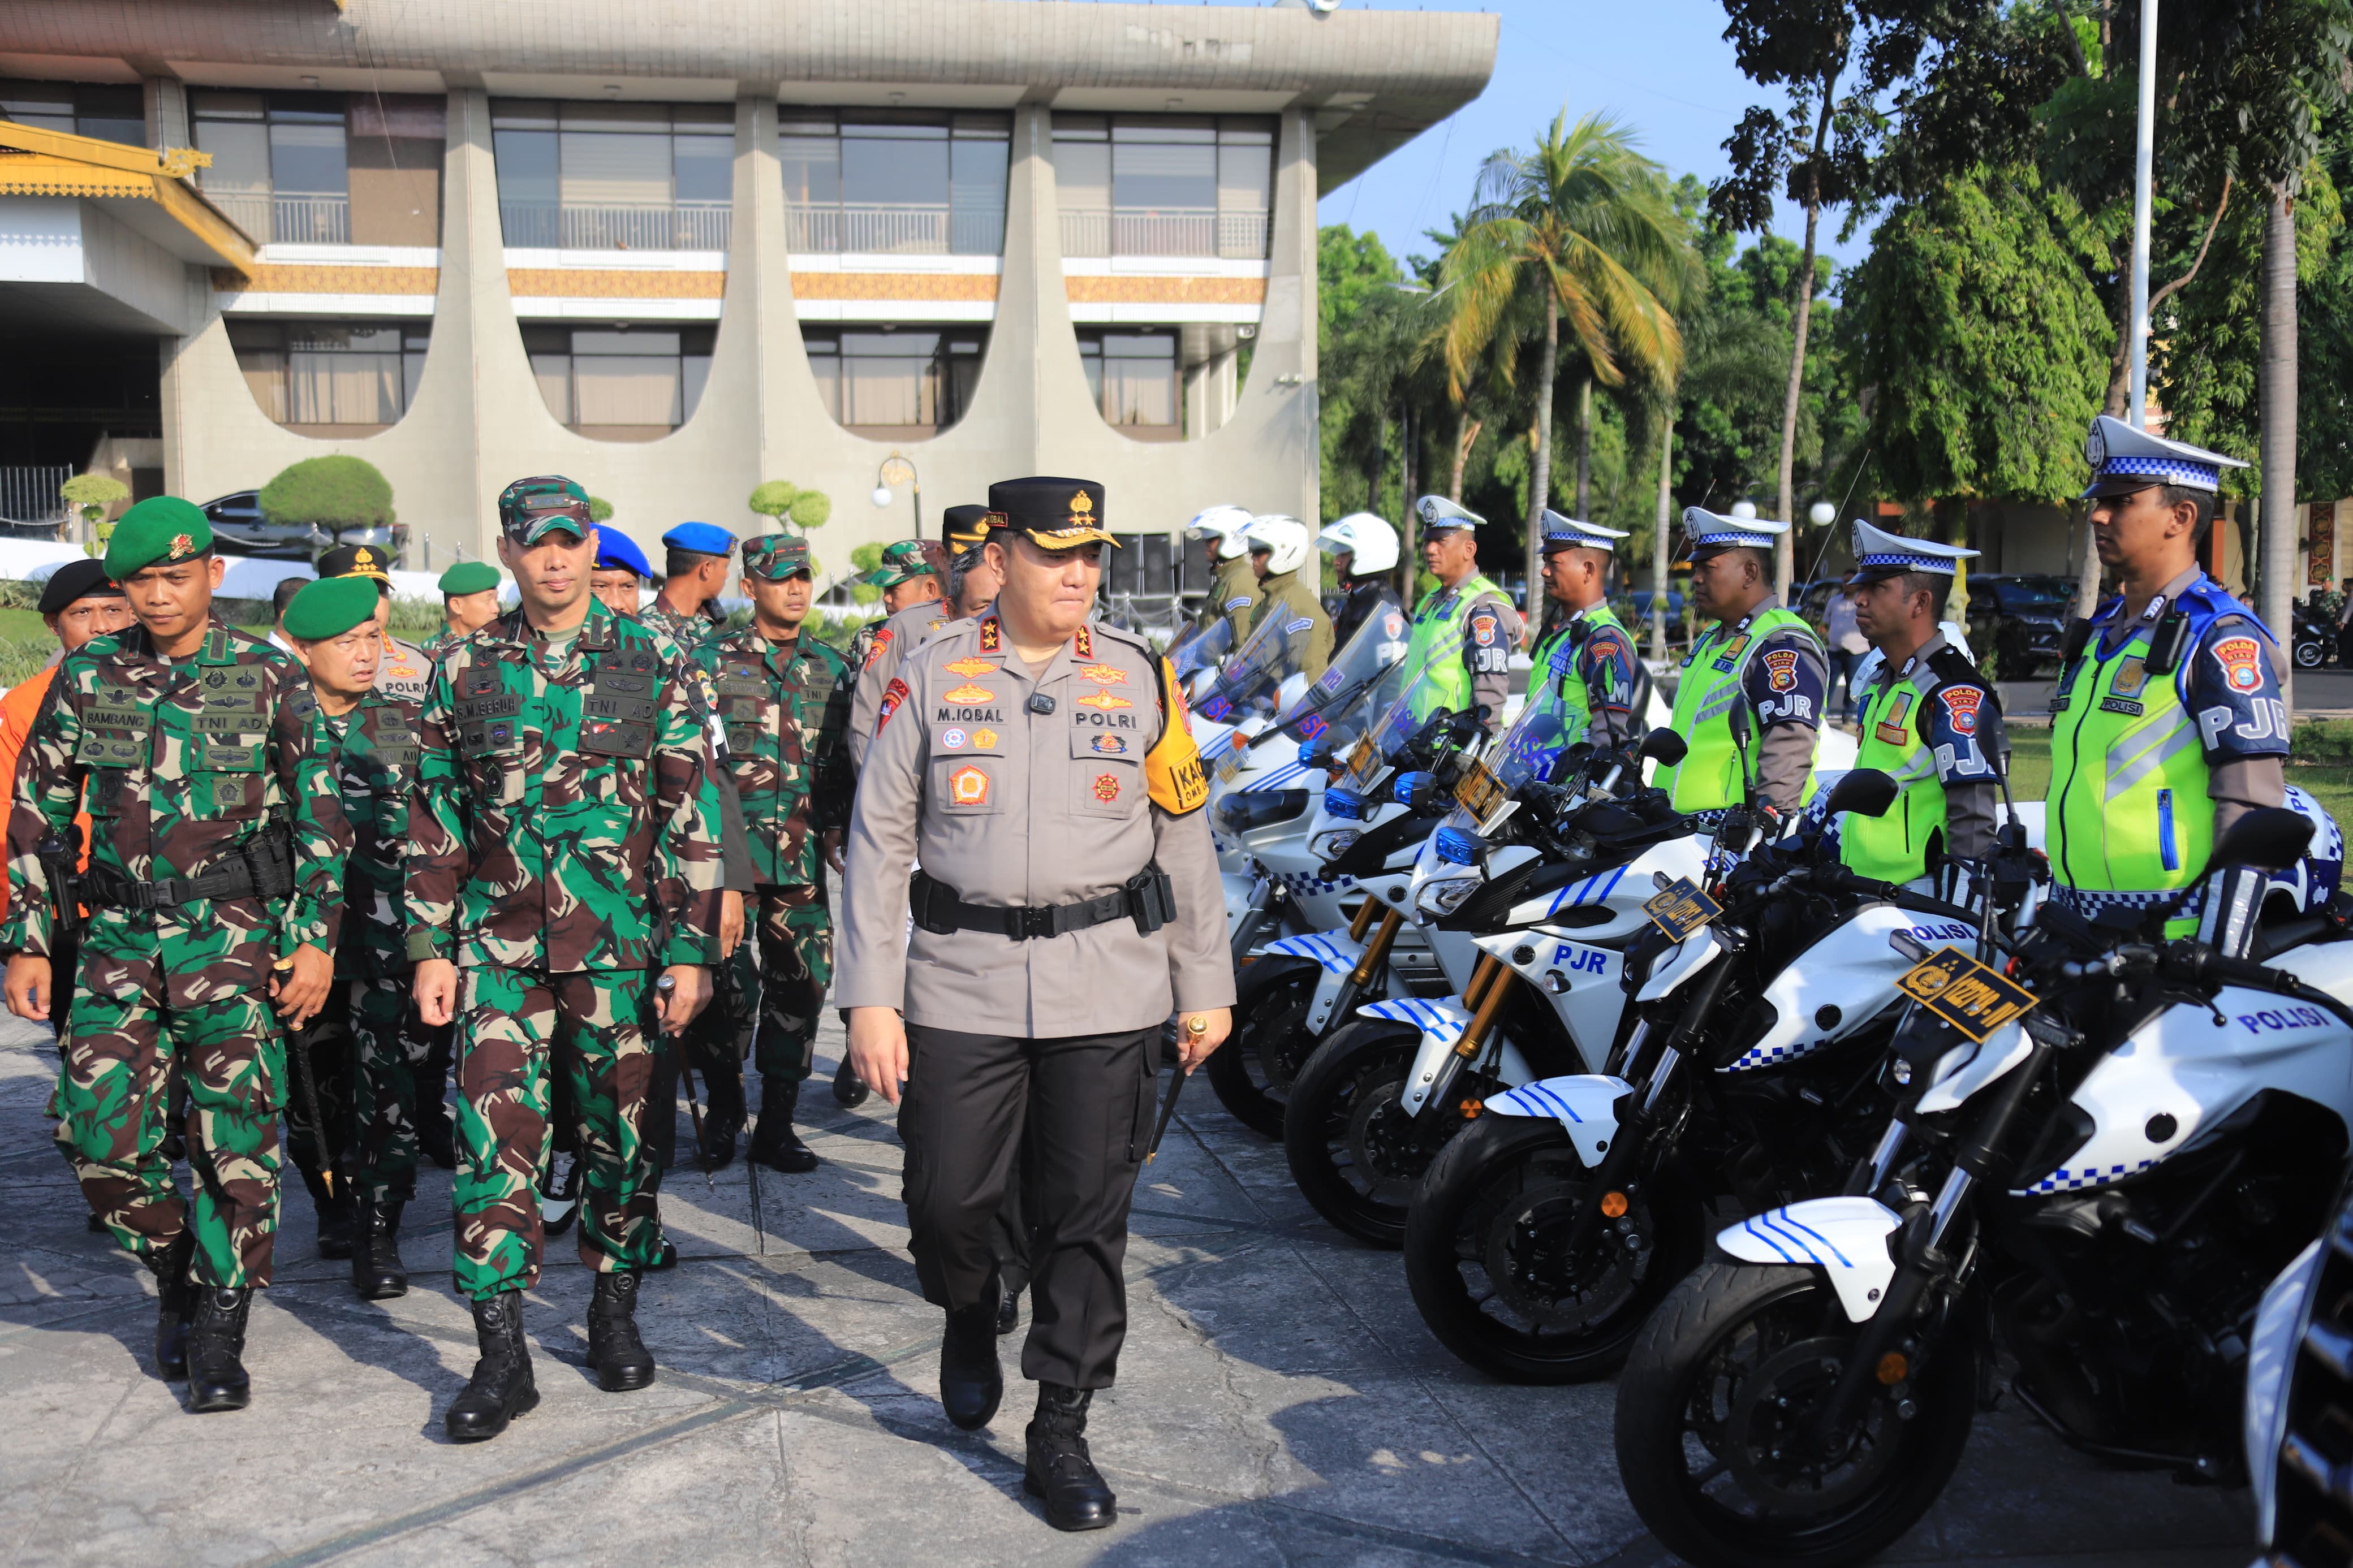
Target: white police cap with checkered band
{"type": "Point", "coordinates": [1879, 555]}
{"type": "Point", "coordinates": [2124, 459]}
{"type": "Point", "coordinates": [1570, 533]}
{"type": "Point", "coordinates": [1439, 514]}
{"type": "Point", "coordinates": [1706, 531]}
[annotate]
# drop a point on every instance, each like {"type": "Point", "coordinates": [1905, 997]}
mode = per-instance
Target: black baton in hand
{"type": "Point", "coordinates": [1194, 1028]}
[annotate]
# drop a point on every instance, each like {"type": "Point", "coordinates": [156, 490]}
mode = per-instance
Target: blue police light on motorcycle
{"type": "Point", "coordinates": [1402, 791]}
{"type": "Point", "coordinates": [1307, 750]}
{"type": "Point", "coordinates": [1457, 847]}
{"type": "Point", "coordinates": [1346, 804]}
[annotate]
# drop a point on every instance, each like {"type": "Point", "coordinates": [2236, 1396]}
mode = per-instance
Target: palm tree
{"type": "Point", "coordinates": [1583, 222]}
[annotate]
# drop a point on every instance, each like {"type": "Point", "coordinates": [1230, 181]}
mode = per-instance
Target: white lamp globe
{"type": "Point", "coordinates": [1822, 514]}
{"type": "Point", "coordinates": [881, 495]}
{"type": "Point", "coordinates": [1744, 508]}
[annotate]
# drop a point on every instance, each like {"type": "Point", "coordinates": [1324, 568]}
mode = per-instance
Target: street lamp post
{"type": "Point", "coordinates": [898, 471]}
{"type": "Point", "coordinates": [2144, 153]}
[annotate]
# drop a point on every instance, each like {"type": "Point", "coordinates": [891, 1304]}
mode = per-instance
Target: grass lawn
{"type": "Point", "coordinates": [2328, 781]}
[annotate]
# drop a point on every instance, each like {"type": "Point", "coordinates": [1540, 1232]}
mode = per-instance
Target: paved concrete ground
{"type": "Point", "coordinates": [1279, 1403]}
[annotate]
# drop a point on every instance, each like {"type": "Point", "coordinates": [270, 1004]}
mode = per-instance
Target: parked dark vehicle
{"type": "Point", "coordinates": [2314, 639]}
{"type": "Point", "coordinates": [2022, 619]}
{"type": "Point", "coordinates": [241, 530]}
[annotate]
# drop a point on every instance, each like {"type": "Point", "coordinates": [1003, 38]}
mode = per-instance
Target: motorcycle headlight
{"type": "Point", "coordinates": [1458, 847]}
{"type": "Point", "coordinates": [1331, 844]}
{"type": "Point", "coordinates": [1445, 896]}
{"type": "Point", "coordinates": [1346, 804]}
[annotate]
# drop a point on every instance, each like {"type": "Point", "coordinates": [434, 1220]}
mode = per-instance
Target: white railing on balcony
{"type": "Point", "coordinates": [1163, 231]}
{"type": "Point", "coordinates": [671, 225]}
{"type": "Point", "coordinates": [893, 229]}
{"type": "Point", "coordinates": [286, 219]}
{"type": "Point", "coordinates": [28, 495]}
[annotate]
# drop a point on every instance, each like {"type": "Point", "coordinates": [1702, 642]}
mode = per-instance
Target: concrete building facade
{"type": "Point", "coordinates": [676, 249]}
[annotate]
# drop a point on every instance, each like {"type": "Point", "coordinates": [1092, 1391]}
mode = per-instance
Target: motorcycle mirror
{"type": "Point", "coordinates": [1865, 792]}
{"type": "Point", "coordinates": [2269, 838]}
{"type": "Point", "coordinates": [1665, 746]}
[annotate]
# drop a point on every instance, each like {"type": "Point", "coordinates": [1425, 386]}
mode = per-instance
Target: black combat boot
{"type": "Point", "coordinates": [1060, 1470]}
{"type": "Point", "coordinates": [722, 1116]}
{"type": "Point", "coordinates": [216, 1379]}
{"type": "Point", "coordinates": [175, 1305]}
{"type": "Point", "coordinates": [501, 1387]}
{"type": "Point", "coordinates": [377, 1273]}
{"type": "Point", "coordinates": [971, 1381]}
{"type": "Point", "coordinates": [622, 1362]}
{"type": "Point", "coordinates": [773, 1142]}
{"type": "Point", "coordinates": [334, 1214]}
{"type": "Point", "coordinates": [849, 1089]}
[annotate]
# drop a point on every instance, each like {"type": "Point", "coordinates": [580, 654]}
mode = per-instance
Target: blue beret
{"type": "Point", "coordinates": [617, 551]}
{"type": "Point", "coordinates": [704, 538]}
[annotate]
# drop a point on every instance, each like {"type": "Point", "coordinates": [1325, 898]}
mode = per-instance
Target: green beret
{"type": "Point", "coordinates": [157, 531]}
{"type": "Point", "coordinates": [331, 607]}
{"type": "Point", "coordinates": [469, 577]}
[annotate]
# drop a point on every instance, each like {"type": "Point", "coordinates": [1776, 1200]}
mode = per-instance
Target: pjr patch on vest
{"type": "Point", "coordinates": [1961, 707]}
{"type": "Point", "coordinates": [1781, 670]}
{"type": "Point", "coordinates": [892, 695]}
{"type": "Point", "coordinates": [2240, 658]}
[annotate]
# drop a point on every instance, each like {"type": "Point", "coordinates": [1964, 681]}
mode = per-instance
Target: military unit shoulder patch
{"type": "Point", "coordinates": [2240, 658]}
{"type": "Point", "coordinates": [874, 650]}
{"type": "Point", "coordinates": [893, 696]}
{"type": "Point", "coordinates": [1781, 670]}
{"type": "Point", "coordinates": [1961, 704]}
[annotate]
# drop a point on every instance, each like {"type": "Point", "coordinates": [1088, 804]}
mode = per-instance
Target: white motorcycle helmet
{"type": "Point", "coordinates": [1225, 524]}
{"type": "Point", "coordinates": [1367, 537]}
{"type": "Point", "coordinates": [1285, 538]}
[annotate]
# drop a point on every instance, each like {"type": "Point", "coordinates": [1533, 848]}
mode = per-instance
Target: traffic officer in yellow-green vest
{"type": "Point", "coordinates": [1465, 628]}
{"type": "Point", "coordinates": [1233, 586]}
{"type": "Point", "coordinates": [1754, 682]}
{"type": "Point", "coordinates": [1604, 687]}
{"type": "Point", "coordinates": [2168, 722]}
{"type": "Point", "coordinates": [1926, 722]}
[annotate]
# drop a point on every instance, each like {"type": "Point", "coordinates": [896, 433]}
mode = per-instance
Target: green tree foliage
{"type": "Point", "coordinates": [865, 558]}
{"type": "Point", "coordinates": [93, 493]}
{"type": "Point", "coordinates": [2324, 459]}
{"type": "Point", "coordinates": [1984, 339]}
{"type": "Point", "coordinates": [788, 502]}
{"type": "Point", "coordinates": [600, 509]}
{"type": "Point", "coordinates": [329, 493]}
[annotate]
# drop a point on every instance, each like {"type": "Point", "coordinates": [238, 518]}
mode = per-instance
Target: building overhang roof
{"type": "Point", "coordinates": [149, 192]}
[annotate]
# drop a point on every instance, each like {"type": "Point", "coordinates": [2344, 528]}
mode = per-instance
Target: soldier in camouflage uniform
{"type": "Point", "coordinates": [470, 601]}
{"type": "Point", "coordinates": [697, 567]}
{"type": "Point", "coordinates": [909, 578]}
{"type": "Point", "coordinates": [217, 854]}
{"type": "Point", "coordinates": [365, 1045]}
{"type": "Point", "coordinates": [564, 836]}
{"type": "Point", "coordinates": [781, 695]}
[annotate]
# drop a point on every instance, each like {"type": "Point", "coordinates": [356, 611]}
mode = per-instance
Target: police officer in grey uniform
{"type": "Point", "coordinates": [1039, 770]}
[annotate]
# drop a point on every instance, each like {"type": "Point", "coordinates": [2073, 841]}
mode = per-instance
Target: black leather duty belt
{"type": "Point", "coordinates": [262, 869]}
{"type": "Point", "coordinates": [1148, 898]}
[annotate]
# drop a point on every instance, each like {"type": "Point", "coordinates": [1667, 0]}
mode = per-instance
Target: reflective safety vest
{"type": "Point", "coordinates": [1436, 646]}
{"type": "Point", "coordinates": [1895, 847]}
{"type": "Point", "coordinates": [1576, 702]}
{"type": "Point", "coordinates": [2128, 810]}
{"type": "Point", "coordinates": [1707, 704]}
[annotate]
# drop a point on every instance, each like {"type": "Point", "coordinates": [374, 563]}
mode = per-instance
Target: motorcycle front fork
{"type": "Point", "coordinates": [1376, 952]}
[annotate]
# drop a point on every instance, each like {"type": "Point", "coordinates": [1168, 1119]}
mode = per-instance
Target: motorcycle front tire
{"type": "Point", "coordinates": [1344, 1132]}
{"type": "Point", "coordinates": [1270, 1015]}
{"type": "Point", "coordinates": [1509, 1170]}
{"type": "Point", "coordinates": [1679, 1369]}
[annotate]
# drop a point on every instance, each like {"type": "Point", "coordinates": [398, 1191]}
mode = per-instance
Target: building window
{"type": "Point", "coordinates": [1165, 184]}
{"type": "Point", "coordinates": [896, 383]}
{"type": "Point", "coordinates": [79, 109]}
{"type": "Point", "coordinates": [893, 182]}
{"type": "Point", "coordinates": [281, 168]}
{"type": "Point", "coordinates": [331, 378]}
{"type": "Point", "coordinates": [620, 384]}
{"type": "Point", "coordinates": [614, 176]}
{"type": "Point", "coordinates": [1133, 378]}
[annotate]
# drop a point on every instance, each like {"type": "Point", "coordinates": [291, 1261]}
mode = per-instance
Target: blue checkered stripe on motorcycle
{"type": "Point", "coordinates": [1756, 1057]}
{"type": "Point", "coordinates": [2063, 1180]}
{"type": "Point", "coordinates": [1308, 882]}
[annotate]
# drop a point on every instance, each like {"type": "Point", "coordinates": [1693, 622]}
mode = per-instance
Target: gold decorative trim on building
{"type": "Point", "coordinates": [280, 279]}
{"type": "Point", "coordinates": [1098, 288]}
{"type": "Point", "coordinates": [584, 283]}
{"type": "Point", "coordinates": [910, 286]}
{"type": "Point", "coordinates": [38, 163]}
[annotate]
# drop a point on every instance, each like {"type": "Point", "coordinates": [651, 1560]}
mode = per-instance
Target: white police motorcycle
{"type": "Point", "coordinates": [2104, 1146]}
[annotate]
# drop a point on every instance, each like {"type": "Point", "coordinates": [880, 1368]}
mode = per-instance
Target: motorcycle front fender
{"type": "Point", "coordinates": [1586, 1106]}
{"type": "Point", "coordinates": [1846, 1238]}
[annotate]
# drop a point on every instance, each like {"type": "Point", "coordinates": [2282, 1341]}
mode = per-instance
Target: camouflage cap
{"type": "Point", "coordinates": [902, 562]}
{"type": "Point", "coordinates": [156, 532]}
{"type": "Point", "coordinates": [776, 556]}
{"type": "Point", "coordinates": [529, 509]}
{"type": "Point", "coordinates": [330, 608]}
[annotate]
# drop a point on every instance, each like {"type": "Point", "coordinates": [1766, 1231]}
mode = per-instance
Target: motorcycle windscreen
{"type": "Point", "coordinates": [1354, 682]}
{"type": "Point", "coordinates": [1198, 650]}
{"type": "Point", "coordinates": [1251, 679]}
{"type": "Point", "coordinates": [1526, 751]}
{"type": "Point", "coordinates": [1376, 750]}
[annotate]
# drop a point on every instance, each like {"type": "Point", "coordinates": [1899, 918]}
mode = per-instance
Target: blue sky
{"type": "Point", "coordinates": [1661, 66]}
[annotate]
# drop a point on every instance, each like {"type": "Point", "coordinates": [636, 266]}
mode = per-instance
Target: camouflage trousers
{"type": "Point", "coordinates": [114, 1093]}
{"type": "Point", "coordinates": [515, 1029]}
{"type": "Point", "coordinates": [366, 1049]}
{"type": "Point", "coordinates": [772, 992]}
